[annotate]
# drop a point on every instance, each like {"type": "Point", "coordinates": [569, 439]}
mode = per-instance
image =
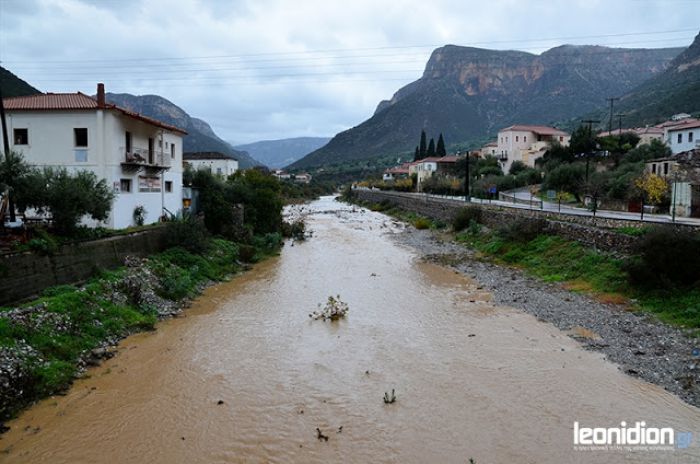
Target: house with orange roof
{"type": "Point", "coordinates": [140, 157]}
{"type": "Point", "coordinates": [526, 143]}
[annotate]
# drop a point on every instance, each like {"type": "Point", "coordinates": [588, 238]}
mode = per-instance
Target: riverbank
{"type": "Point", "coordinates": [638, 342]}
{"type": "Point", "coordinates": [47, 343]}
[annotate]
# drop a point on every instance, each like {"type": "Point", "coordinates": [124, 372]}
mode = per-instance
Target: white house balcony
{"type": "Point", "coordinates": [152, 161]}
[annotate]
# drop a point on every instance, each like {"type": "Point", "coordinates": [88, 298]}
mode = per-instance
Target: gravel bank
{"type": "Point", "coordinates": [640, 345]}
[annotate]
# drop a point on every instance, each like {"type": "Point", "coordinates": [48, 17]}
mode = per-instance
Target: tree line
{"type": "Point", "coordinates": [430, 149]}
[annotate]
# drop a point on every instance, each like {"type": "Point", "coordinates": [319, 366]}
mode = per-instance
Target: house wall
{"type": "Point", "coordinates": [685, 144]}
{"type": "Point", "coordinates": [523, 146]}
{"type": "Point", "coordinates": [216, 166]}
{"type": "Point", "coordinates": [51, 143]}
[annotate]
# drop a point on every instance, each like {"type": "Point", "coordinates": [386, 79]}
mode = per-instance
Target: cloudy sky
{"type": "Point", "coordinates": [267, 69]}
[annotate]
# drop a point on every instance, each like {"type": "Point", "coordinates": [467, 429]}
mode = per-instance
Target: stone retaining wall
{"type": "Point", "coordinates": [23, 275]}
{"type": "Point", "coordinates": [594, 232]}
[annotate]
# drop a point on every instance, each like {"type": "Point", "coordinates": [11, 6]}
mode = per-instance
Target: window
{"type": "Point", "coordinates": [665, 169]}
{"type": "Point", "coordinates": [690, 136]}
{"type": "Point", "coordinates": [561, 139]}
{"type": "Point", "coordinates": [680, 138]}
{"type": "Point", "coordinates": [172, 150]}
{"type": "Point", "coordinates": [127, 141]}
{"type": "Point", "coordinates": [517, 138]}
{"type": "Point", "coordinates": [653, 168]}
{"type": "Point", "coordinates": [149, 184]}
{"type": "Point", "coordinates": [524, 138]}
{"type": "Point", "coordinates": [218, 171]}
{"type": "Point", "coordinates": [81, 137]}
{"type": "Point", "coordinates": [125, 185]}
{"type": "Point", "coordinates": [168, 186]}
{"type": "Point", "coordinates": [21, 136]}
{"type": "Point", "coordinates": [160, 143]}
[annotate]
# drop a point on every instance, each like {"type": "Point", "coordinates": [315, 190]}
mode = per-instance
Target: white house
{"type": "Point", "coordinates": [217, 163]}
{"type": "Point", "coordinates": [427, 167]}
{"type": "Point", "coordinates": [526, 143]}
{"type": "Point", "coordinates": [140, 157]}
{"type": "Point", "coordinates": [683, 137]}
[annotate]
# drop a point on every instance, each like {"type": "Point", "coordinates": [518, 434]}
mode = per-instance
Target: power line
{"type": "Point", "coordinates": [400, 47]}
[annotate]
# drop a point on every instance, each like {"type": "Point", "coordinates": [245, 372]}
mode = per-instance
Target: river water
{"type": "Point", "coordinates": [472, 380]}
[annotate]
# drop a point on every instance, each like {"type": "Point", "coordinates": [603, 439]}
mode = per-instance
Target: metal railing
{"type": "Point", "coordinates": [144, 157]}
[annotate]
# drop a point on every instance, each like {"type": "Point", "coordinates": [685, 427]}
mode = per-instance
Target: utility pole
{"type": "Point", "coordinates": [612, 105]}
{"type": "Point", "coordinates": [619, 131]}
{"type": "Point", "coordinates": [466, 177]}
{"type": "Point", "coordinates": [590, 123]}
{"type": "Point", "coordinates": [6, 153]}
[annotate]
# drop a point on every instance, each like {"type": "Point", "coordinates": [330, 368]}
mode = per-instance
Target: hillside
{"type": "Point", "coordinates": [280, 153]}
{"type": "Point", "coordinates": [470, 93]}
{"type": "Point", "coordinates": [200, 136]}
{"type": "Point", "coordinates": [13, 86]}
{"type": "Point", "coordinates": [676, 90]}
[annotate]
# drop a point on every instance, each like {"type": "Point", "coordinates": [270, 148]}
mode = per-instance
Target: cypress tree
{"type": "Point", "coordinates": [431, 148]}
{"type": "Point", "coordinates": [440, 149]}
{"type": "Point", "coordinates": [416, 155]}
{"type": "Point", "coordinates": [422, 152]}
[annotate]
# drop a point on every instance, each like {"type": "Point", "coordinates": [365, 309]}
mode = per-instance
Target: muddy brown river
{"type": "Point", "coordinates": [472, 380]}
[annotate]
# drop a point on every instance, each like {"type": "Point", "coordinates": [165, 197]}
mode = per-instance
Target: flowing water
{"type": "Point", "coordinates": [472, 380]}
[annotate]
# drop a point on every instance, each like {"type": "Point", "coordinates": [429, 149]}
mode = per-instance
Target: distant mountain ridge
{"type": "Point", "coordinates": [13, 86]}
{"type": "Point", "coordinates": [200, 136]}
{"type": "Point", "coordinates": [283, 152]}
{"type": "Point", "coordinates": [676, 90]}
{"type": "Point", "coordinates": [470, 93]}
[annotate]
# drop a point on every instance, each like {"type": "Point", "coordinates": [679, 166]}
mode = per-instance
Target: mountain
{"type": "Point", "coordinates": [676, 90]}
{"type": "Point", "coordinates": [468, 94]}
{"type": "Point", "coordinates": [13, 86]}
{"type": "Point", "coordinates": [200, 136]}
{"type": "Point", "coordinates": [280, 153]}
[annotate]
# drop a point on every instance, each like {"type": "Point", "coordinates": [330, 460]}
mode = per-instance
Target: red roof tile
{"type": "Point", "coordinates": [685, 125]}
{"type": "Point", "coordinates": [74, 101]}
{"type": "Point", "coordinates": [540, 130]}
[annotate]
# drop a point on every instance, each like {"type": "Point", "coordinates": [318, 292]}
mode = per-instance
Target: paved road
{"type": "Point", "coordinates": [575, 211]}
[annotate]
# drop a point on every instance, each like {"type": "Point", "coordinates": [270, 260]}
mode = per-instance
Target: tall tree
{"type": "Point", "coordinates": [13, 169]}
{"type": "Point", "coordinates": [440, 149]}
{"type": "Point", "coordinates": [416, 155]}
{"type": "Point", "coordinates": [431, 148]}
{"type": "Point", "coordinates": [422, 151]}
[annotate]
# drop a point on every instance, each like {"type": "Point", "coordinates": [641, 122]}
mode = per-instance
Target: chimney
{"type": "Point", "coordinates": [100, 95]}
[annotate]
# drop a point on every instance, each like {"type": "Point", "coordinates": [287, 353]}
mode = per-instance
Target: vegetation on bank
{"type": "Point", "coordinates": [45, 343]}
{"type": "Point", "coordinates": [661, 277]}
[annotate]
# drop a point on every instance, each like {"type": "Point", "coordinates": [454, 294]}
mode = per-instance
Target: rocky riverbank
{"type": "Point", "coordinates": [641, 345]}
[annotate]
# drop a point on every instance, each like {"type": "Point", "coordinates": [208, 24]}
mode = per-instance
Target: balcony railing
{"type": "Point", "coordinates": [145, 158]}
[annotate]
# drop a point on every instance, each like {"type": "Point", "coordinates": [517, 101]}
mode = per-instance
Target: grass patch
{"type": "Point", "coordinates": [632, 231]}
{"type": "Point", "coordinates": [581, 269]}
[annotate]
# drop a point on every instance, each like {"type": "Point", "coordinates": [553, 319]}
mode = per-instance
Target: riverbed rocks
{"type": "Point", "coordinates": [639, 343]}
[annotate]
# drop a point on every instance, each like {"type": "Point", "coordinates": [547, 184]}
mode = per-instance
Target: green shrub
{"type": "Point", "coordinates": [465, 216]}
{"type": "Point", "coordinates": [295, 230]}
{"type": "Point", "coordinates": [189, 233]}
{"type": "Point", "coordinates": [523, 230]}
{"type": "Point", "coordinates": [422, 223]}
{"type": "Point", "coordinates": [247, 253]}
{"type": "Point", "coordinates": [666, 257]}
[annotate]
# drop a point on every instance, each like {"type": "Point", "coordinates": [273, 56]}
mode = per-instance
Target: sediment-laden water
{"type": "Point", "coordinates": [247, 376]}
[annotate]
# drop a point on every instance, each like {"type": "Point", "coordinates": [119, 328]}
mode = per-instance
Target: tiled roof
{"type": "Point", "coordinates": [540, 130]}
{"type": "Point", "coordinates": [685, 125]}
{"type": "Point", "coordinates": [435, 159]}
{"type": "Point", "coordinates": [74, 101]}
{"type": "Point", "coordinates": [206, 155]}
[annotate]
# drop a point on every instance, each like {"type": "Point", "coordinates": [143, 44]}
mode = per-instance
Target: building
{"type": "Point", "coordinates": [397, 172]}
{"type": "Point", "coordinates": [140, 157]}
{"type": "Point", "coordinates": [302, 178]}
{"type": "Point", "coordinates": [427, 167]}
{"type": "Point", "coordinates": [645, 134]}
{"type": "Point", "coordinates": [490, 149]}
{"type": "Point", "coordinates": [221, 164]}
{"type": "Point", "coordinates": [682, 171]}
{"type": "Point", "coordinates": [526, 143]}
{"type": "Point", "coordinates": [683, 137]}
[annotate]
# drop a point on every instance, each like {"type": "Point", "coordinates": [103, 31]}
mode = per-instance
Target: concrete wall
{"type": "Point", "coordinates": [23, 275]}
{"type": "Point", "coordinates": [597, 232]}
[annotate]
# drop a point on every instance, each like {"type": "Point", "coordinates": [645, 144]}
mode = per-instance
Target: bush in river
{"type": "Point", "coordinates": [667, 257]}
{"type": "Point", "coordinates": [523, 230]}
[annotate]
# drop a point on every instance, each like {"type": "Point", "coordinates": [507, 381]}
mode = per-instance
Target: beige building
{"type": "Point", "coordinates": [645, 134]}
{"type": "Point", "coordinates": [526, 143]}
{"type": "Point", "coordinates": [682, 171]}
{"type": "Point", "coordinates": [221, 164]}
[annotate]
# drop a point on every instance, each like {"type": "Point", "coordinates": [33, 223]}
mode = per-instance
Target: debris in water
{"type": "Point", "coordinates": [389, 399]}
{"type": "Point", "coordinates": [340, 429]}
{"type": "Point", "coordinates": [333, 310]}
{"type": "Point", "coordinates": [220, 402]}
{"type": "Point", "coordinates": [320, 435]}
